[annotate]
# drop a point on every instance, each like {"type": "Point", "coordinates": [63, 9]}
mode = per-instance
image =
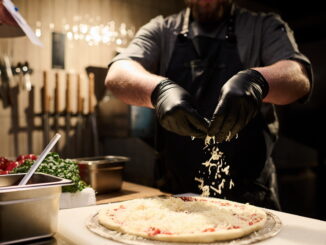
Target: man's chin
{"type": "Point", "coordinates": [207, 19]}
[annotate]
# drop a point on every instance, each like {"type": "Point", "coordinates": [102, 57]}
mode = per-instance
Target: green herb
{"type": "Point", "coordinates": [54, 165]}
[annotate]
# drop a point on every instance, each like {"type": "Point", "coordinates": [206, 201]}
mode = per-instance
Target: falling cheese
{"type": "Point", "coordinates": [217, 167]}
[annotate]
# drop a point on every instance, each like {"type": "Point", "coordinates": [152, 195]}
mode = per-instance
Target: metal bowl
{"type": "Point", "coordinates": [102, 173]}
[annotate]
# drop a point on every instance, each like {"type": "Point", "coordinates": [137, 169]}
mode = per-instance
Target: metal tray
{"type": "Point", "coordinates": [10, 181]}
{"type": "Point", "coordinates": [103, 173]}
{"type": "Point", "coordinates": [271, 228]}
{"type": "Point", "coordinates": [29, 212]}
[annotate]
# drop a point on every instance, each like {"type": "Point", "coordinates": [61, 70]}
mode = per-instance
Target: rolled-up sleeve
{"type": "Point", "coordinates": [278, 43]}
{"type": "Point", "coordinates": [145, 47]}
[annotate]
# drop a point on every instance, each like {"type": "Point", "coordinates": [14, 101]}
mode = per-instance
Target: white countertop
{"type": "Point", "coordinates": [296, 230]}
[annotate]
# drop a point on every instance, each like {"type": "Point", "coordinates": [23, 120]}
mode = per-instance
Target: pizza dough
{"type": "Point", "coordinates": [183, 219]}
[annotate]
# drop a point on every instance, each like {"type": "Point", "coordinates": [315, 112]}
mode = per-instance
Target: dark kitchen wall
{"type": "Point", "coordinates": [300, 152]}
{"type": "Point", "coordinates": [21, 127]}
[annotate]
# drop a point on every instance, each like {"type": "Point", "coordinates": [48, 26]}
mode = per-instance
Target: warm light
{"type": "Point", "coordinates": [90, 30]}
{"type": "Point", "coordinates": [83, 28]}
{"type": "Point", "coordinates": [75, 28]}
{"type": "Point", "coordinates": [38, 32]}
{"type": "Point", "coordinates": [66, 27]}
{"type": "Point", "coordinates": [118, 41]}
{"type": "Point", "coordinates": [70, 35]}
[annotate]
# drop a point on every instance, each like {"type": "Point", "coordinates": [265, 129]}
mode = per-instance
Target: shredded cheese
{"type": "Point", "coordinates": [218, 170]}
{"type": "Point", "coordinates": [172, 216]}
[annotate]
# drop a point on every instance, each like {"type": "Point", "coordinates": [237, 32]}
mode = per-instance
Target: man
{"type": "Point", "coordinates": [214, 69]}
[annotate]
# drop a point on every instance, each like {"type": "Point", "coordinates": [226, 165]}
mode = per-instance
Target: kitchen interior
{"type": "Point", "coordinates": [59, 87]}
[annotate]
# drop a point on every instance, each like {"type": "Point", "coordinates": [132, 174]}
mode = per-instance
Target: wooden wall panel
{"type": "Point", "coordinates": [53, 15]}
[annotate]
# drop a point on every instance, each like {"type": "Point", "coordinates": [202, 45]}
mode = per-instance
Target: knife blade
{"type": "Point", "coordinates": [46, 109]}
{"type": "Point", "coordinates": [80, 121]}
{"type": "Point", "coordinates": [27, 84]}
{"type": "Point", "coordinates": [6, 81]}
{"type": "Point", "coordinates": [57, 107]}
{"type": "Point", "coordinates": [68, 115]}
{"type": "Point", "coordinates": [30, 119]}
{"type": "Point", "coordinates": [92, 116]}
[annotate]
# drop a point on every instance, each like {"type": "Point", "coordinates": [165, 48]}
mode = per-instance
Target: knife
{"type": "Point", "coordinates": [46, 109]}
{"type": "Point", "coordinates": [27, 84]}
{"type": "Point", "coordinates": [2, 90]}
{"type": "Point", "coordinates": [80, 121]}
{"type": "Point", "coordinates": [30, 119]}
{"type": "Point", "coordinates": [92, 116]}
{"type": "Point", "coordinates": [68, 114]}
{"type": "Point", "coordinates": [6, 81]}
{"type": "Point", "coordinates": [57, 107]}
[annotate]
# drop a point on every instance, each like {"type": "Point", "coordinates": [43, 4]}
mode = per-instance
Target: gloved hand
{"type": "Point", "coordinates": [240, 100]}
{"type": "Point", "coordinates": [175, 110]}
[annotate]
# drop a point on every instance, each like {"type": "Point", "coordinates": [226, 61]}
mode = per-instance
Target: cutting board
{"type": "Point", "coordinates": [296, 230]}
{"type": "Point", "coordinates": [72, 229]}
{"type": "Point", "coordinates": [71, 222]}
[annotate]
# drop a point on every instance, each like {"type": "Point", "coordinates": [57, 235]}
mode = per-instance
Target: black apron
{"type": "Point", "coordinates": [202, 66]}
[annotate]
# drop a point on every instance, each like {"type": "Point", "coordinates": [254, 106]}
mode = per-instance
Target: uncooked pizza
{"type": "Point", "coordinates": [183, 219]}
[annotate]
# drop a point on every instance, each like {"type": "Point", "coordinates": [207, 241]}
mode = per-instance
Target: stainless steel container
{"type": "Point", "coordinates": [103, 173]}
{"type": "Point", "coordinates": [29, 212]}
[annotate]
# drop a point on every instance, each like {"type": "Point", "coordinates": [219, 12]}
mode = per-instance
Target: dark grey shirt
{"type": "Point", "coordinates": [262, 39]}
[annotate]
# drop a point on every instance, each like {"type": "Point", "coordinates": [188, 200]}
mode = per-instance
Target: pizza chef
{"type": "Point", "coordinates": [214, 69]}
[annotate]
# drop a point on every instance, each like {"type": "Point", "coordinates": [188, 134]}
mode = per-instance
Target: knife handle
{"type": "Point", "coordinates": [68, 98]}
{"type": "Point", "coordinates": [91, 78]}
{"type": "Point", "coordinates": [80, 99]}
{"type": "Point", "coordinates": [46, 97]}
{"type": "Point", "coordinates": [57, 93]}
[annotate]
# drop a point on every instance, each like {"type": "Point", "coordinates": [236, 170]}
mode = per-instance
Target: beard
{"type": "Point", "coordinates": [209, 11]}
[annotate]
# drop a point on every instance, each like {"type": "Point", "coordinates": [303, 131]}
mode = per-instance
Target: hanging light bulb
{"type": "Point", "coordinates": [38, 31]}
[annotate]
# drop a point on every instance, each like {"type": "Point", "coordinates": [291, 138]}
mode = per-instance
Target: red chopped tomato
{"type": "Point", "coordinates": [233, 227]}
{"type": "Point", "coordinates": [209, 230]}
{"type": "Point", "coordinates": [20, 162]}
{"type": "Point", "coordinates": [120, 207]}
{"type": "Point", "coordinates": [152, 231]}
{"type": "Point", "coordinates": [12, 165]}
{"type": "Point", "coordinates": [25, 157]}
{"type": "Point", "coordinates": [20, 158]}
{"type": "Point", "coordinates": [3, 159]}
{"type": "Point", "coordinates": [3, 163]}
{"type": "Point", "coordinates": [225, 204]}
{"type": "Point", "coordinates": [187, 199]}
{"type": "Point", "coordinates": [3, 172]}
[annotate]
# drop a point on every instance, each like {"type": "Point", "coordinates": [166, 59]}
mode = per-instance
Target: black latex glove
{"type": "Point", "coordinates": [240, 100]}
{"type": "Point", "coordinates": [175, 110]}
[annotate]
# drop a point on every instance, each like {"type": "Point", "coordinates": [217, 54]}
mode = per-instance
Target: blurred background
{"type": "Point", "coordinates": [59, 88]}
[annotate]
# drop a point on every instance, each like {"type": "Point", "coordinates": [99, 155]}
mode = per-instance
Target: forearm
{"type": "Point", "coordinates": [287, 81]}
{"type": "Point", "coordinates": [131, 83]}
